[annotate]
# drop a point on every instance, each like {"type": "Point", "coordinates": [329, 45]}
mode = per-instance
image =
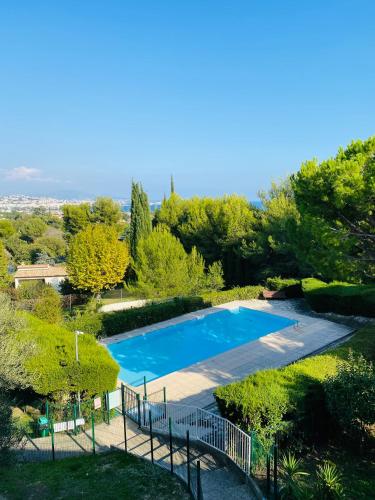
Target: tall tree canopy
{"type": "Point", "coordinates": [103, 211]}
{"type": "Point", "coordinates": [218, 227]}
{"type": "Point", "coordinates": [165, 269]}
{"type": "Point", "coordinates": [337, 199]}
{"type": "Point", "coordinates": [97, 260]}
{"type": "Point", "coordinates": [140, 217]}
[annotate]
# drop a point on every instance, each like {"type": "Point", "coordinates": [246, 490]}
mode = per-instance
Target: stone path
{"type": "Point", "coordinates": [218, 479]}
{"type": "Point", "coordinates": [194, 385]}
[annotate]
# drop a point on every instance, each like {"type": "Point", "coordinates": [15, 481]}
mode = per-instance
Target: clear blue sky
{"type": "Point", "coordinates": [226, 95]}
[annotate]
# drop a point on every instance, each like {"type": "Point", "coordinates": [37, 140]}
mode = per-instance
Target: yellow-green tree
{"type": "Point", "coordinates": [97, 260]}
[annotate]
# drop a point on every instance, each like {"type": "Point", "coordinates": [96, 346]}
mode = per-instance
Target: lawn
{"type": "Point", "coordinates": [110, 475]}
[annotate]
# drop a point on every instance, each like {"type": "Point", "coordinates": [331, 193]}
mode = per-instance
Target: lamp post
{"type": "Point", "coordinates": [77, 332]}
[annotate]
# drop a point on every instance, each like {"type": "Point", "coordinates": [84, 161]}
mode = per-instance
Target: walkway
{"type": "Point", "coordinates": [194, 385]}
{"type": "Point", "coordinates": [218, 479]}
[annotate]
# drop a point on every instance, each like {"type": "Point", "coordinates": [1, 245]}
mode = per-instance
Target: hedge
{"type": "Point", "coordinates": [108, 324]}
{"type": "Point", "coordinates": [341, 298]}
{"type": "Point", "coordinates": [52, 369]}
{"type": "Point", "coordinates": [291, 286]}
{"type": "Point", "coordinates": [289, 398]}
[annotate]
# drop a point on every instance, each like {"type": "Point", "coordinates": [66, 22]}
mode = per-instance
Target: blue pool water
{"type": "Point", "coordinates": [169, 349]}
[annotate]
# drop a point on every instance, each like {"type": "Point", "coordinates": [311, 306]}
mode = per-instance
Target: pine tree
{"type": "Point", "coordinates": [140, 221]}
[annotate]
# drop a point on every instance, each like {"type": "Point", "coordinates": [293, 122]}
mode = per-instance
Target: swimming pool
{"type": "Point", "coordinates": [166, 350]}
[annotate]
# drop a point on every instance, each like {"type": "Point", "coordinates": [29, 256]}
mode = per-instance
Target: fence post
{"type": "Point", "coordinates": [47, 410]}
{"type": "Point", "coordinates": [268, 474]}
{"type": "Point", "coordinates": [252, 453]}
{"type": "Point", "coordinates": [75, 418]}
{"type": "Point", "coordinates": [52, 432]}
{"type": "Point", "coordinates": [145, 388]}
{"type": "Point", "coordinates": [151, 436]}
{"type": "Point", "coordinates": [199, 486]}
{"type": "Point", "coordinates": [93, 432]}
{"type": "Point", "coordinates": [124, 415]}
{"type": "Point", "coordinates": [275, 460]}
{"type": "Point", "coordinates": [164, 394]}
{"type": "Point", "coordinates": [170, 444]}
{"type": "Point", "coordinates": [139, 410]}
{"type": "Point", "coordinates": [107, 407]}
{"type": "Point", "coordinates": [188, 459]}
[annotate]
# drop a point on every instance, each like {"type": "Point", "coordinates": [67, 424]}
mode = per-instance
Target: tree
{"type": "Point", "coordinates": [10, 435]}
{"type": "Point", "coordinates": [339, 195]}
{"type": "Point", "coordinates": [11, 356]}
{"type": "Point", "coordinates": [103, 211]}
{"type": "Point", "coordinates": [106, 211]}
{"type": "Point", "coordinates": [30, 227]}
{"type": "Point", "coordinates": [277, 247]}
{"type": "Point", "coordinates": [172, 185]}
{"type": "Point", "coordinates": [19, 249]}
{"type": "Point", "coordinates": [97, 260]}
{"type": "Point", "coordinates": [140, 218]}
{"type": "Point", "coordinates": [218, 227]}
{"type": "Point", "coordinates": [4, 275]}
{"type": "Point", "coordinates": [164, 269]}
{"type": "Point", "coordinates": [6, 228]}
{"type": "Point", "coordinates": [76, 217]}
{"type": "Point", "coordinates": [54, 246]}
{"type": "Point", "coordinates": [48, 305]}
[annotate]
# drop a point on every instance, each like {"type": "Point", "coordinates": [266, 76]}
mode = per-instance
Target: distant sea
{"type": "Point", "coordinates": [156, 204]}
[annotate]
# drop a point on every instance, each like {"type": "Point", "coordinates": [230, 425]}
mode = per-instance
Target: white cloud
{"type": "Point", "coordinates": [24, 174]}
{"type": "Point", "coordinates": [29, 174]}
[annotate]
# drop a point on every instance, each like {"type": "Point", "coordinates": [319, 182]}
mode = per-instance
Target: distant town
{"type": "Point", "coordinates": [28, 204]}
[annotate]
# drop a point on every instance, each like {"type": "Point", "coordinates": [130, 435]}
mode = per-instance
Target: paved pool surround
{"type": "Point", "coordinates": [194, 385]}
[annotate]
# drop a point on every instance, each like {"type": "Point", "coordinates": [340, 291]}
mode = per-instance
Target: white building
{"type": "Point", "coordinates": [50, 275]}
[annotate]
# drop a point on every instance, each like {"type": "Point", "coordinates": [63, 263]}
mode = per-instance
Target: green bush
{"type": "Point", "coordinates": [130, 319]}
{"type": "Point", "coordinates": [87, 322]}
{"type": "Point", "coordinates": [52, 369]}
{"type": "Point", "coordinates": [341, 298]}
{"type": "Point", "coordinates": [290, 286]}
{"type": "Point", "coordinates": [238, 293]}
{"type": "Point", "coordinates": [350, 395]}
{"type": "Point", "coordinates": [274, 399]}
{"type": "Point", "coordinates": [48, 305]}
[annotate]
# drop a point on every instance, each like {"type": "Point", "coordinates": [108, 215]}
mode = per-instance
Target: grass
{"type": "Point", "coordinates": [111, 475]}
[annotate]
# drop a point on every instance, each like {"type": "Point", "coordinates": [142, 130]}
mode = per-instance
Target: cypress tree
{"type": "Point", "coordinates": [172, 185]}
{"type": "Point", "coordinates": [140, 221]}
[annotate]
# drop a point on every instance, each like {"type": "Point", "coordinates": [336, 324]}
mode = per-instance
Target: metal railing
{"type": "Point", "coordinates": [203, 426]}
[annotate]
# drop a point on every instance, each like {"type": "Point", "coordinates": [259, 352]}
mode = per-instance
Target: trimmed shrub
{"type": "Point", "coordinates": [291, 286]}
{"type": "Point", "coordinates": [52, 369]}
{"type": "Point", "coordinates": [238, 293]}
{"type": "Point", "coordinates": [274, 399]}
{"type": "Point", "coordinates": [341, 298]}
{"type": "Point", "coordinates": [130, 319]}
{"type": "Point", "coordinates": [290, 399]}
{"type": "Point", "coordinates": [108, 324]}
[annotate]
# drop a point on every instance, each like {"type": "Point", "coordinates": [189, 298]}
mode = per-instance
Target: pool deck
{"type": "Point", "coordinates": [194, 385]}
